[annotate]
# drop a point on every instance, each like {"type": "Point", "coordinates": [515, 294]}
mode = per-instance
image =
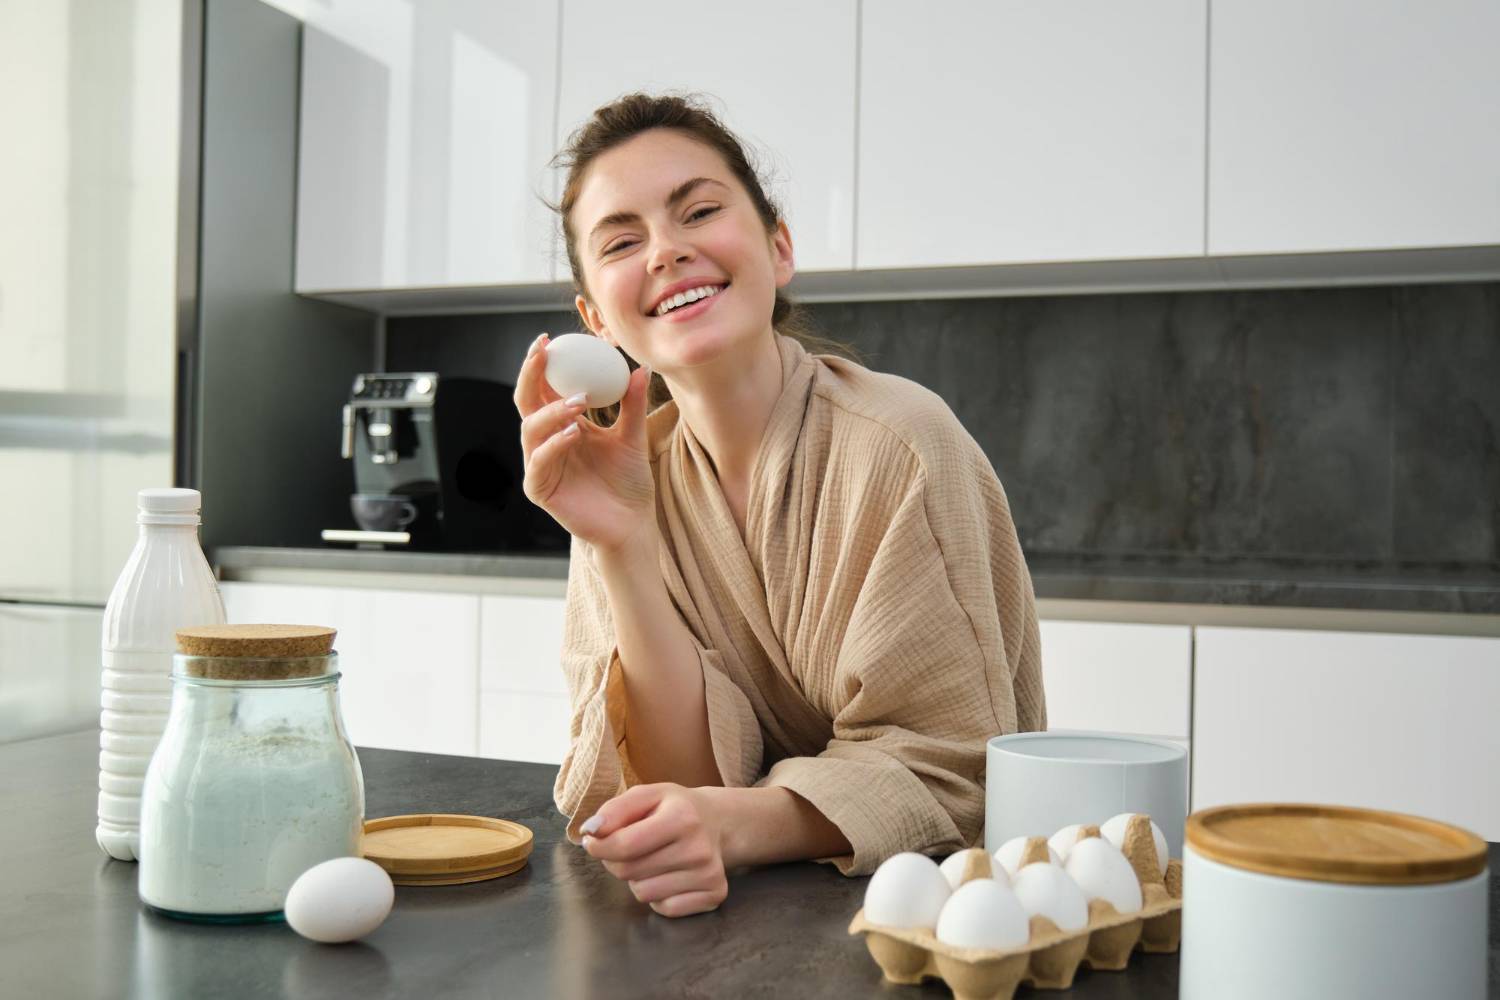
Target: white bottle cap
{"type": "Point", "coordinates": [168, 506]}
{"type": "Point", "coordinates": [169, 501]}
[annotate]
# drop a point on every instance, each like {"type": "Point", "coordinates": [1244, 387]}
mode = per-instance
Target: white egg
{"type": "Point", "coordinates": [581, 362]}
{"type": "Point", "coordinates": [953, 870]}
{"type": "Point", "coordinates": [339, 900]}
{"type": "Point", "coordinates": [907, 890]}
{"type": "Point", "coordinates": [1046, 890]}
{"type": "Point", "coordinates": [1113, 831]}
{"type": "Point", "coordinates": [983, 914]}
{"type": "Point", "coordinates": [1063, 840]}
{"type": "Point", "coordinates": [1008, 857]}
{"type": "Point", "coordinates": [1102, 872]}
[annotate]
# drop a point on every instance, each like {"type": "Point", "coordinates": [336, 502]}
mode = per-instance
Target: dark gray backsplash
{"type": "Point", "coordinates": [1348, 429]}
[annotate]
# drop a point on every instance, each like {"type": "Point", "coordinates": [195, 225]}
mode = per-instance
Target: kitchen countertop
{"type": "Point", "coordinates": [71, 924]}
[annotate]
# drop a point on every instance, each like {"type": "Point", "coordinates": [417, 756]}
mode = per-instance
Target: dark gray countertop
{"type": "Point", "coordinates": [563, 928]}
{"type": "Point", "coordinates": [1268, 583]}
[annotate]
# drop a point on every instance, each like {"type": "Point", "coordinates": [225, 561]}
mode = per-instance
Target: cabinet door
{"type": "Point", "coordinates": [529, 727]}
{"type": "Point", "coordinates": [1117, 677]}
{"type": "Point", "coordinates": [425, 133]}
{"type": "Point", "coordinates": [1353, 125]}
{"type": "Point", "coordinates": [49, 669]}
{"type": "Point", "coordinates": [783, 79]}
{"type": "Point", "coordinates": [523, 705]}
{"type": "Point", "coordinates": [1395, 722]}
{"type": "Point", "coordinates": [1002, 132]}
{"type": "Point", "coordinates": [410, 660]}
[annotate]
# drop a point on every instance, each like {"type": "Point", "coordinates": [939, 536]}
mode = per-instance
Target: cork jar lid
{"type": "Point", "coordinates": [255, 652]}
{"type": "Point", "coordinates": [1336, 844]}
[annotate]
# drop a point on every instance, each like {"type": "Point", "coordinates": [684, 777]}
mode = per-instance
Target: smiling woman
{"type": "Point", "coordinates": [797, 607]}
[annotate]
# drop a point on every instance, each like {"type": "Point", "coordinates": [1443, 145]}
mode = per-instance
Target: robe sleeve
{"type": "Point", "coordinates": [597, 765]}
{"type": "Point", "coordinates": [925, 676]}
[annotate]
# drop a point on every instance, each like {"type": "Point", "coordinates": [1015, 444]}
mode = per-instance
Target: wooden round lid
{"type": "Point", "coordinates": [446, 849]}
{"type": "Point", "coordinates": [1336, 844]}
{"type": "Point", "coordinates": [256, 640]}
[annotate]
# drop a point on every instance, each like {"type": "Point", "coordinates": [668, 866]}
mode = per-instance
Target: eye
{"type": "Point", "coordinates": [616, 247]}
{"type": "Point", "coordinates": [702, 213]}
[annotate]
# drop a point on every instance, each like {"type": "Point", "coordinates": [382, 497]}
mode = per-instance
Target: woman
{"type": "Point", "coordinates": [797, 607]}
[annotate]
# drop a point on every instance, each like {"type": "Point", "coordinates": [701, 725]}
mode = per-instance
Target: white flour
{"type": "Point", "coordinates": [228, 827]}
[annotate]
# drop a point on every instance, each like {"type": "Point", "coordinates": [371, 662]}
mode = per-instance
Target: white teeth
{"type": "Point", "coordinates": [682, 298]}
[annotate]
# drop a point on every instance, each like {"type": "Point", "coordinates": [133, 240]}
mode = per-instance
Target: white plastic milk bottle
{"type": "Point", "coordinates": [166, 585]}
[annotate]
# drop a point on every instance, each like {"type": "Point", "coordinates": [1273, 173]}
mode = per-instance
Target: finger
{"type": "Point", "coordinates": [690, 903]}
{"type": "Point", "coordinates": [663, 887]}
{"type": "Point", "coordinates": [544, 466]}
{"type": "Point", "coordinates": [677, 854]}
{"type": "Point", "coordinates": [532, 391]}
{"type": "Point", "coordinates": [629, 806]}
{"type": "Point", "coordinates": [548, 420]}
{"type": "Point", "coordinates": [632, 420]}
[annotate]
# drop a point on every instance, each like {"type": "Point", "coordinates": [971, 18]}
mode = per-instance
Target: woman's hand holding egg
{"type": "Point", "coordinates": [665, 841]}
{"type": "Point", "coordinates": [595, 481]}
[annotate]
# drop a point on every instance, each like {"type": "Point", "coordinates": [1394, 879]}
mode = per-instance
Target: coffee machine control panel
{"type": "Point", "coordinates": [413, 387]}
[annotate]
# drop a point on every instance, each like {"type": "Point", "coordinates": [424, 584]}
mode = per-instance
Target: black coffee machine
{"type": "Point", "coordinates": [437, 466]}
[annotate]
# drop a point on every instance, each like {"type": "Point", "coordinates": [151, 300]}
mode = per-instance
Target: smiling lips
{"type": "Point", "coordinates": [686, 297]}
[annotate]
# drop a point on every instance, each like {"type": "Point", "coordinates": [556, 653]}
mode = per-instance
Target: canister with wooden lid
{"type": "Point", "coordinates": [1292, 901]}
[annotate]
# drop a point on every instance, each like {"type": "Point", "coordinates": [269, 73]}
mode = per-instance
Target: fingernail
{"type": "Point", "coordinates": [577, 400]}
{"type": "Point", "coordinates": [594, 822]}
{"type": "Point", "coordinates": [535, 344]}
{"type": "Point", "coordinates": [570, 432]}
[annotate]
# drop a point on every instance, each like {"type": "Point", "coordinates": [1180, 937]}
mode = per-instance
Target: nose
{"type": "Point", "coordinates": [667, 250]}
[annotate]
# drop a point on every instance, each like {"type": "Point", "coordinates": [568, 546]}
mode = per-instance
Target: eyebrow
{"type": "Point", "coordinates": [679, 194]}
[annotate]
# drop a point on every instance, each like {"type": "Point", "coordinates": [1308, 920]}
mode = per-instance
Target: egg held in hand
{"type": "Point", "coordinates": [907, 890]}
{"type": "Point", "coordinates": [985, 914]}
{"type": "Point", "coordinates": [581, 362]}
{"type": "Point", "coordinates": [1102, 872]}
{"type": "Point", "coordinates": [339, 900]}
{"type": "Point", "coordinates": [1114, 828]}
{"type": "Point", "coordinates": [1046, 890]}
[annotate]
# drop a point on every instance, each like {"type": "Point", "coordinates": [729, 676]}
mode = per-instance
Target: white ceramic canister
{"type": "Point", "coordinates": [1294, 901]}
{"type": "Point", "coordinates": [1038, 783]}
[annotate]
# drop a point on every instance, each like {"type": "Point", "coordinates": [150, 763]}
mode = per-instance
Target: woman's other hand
{"type": "Point", "coordinates": [595, 481]}
{"type": "Point", "coordinates": [666, 842]}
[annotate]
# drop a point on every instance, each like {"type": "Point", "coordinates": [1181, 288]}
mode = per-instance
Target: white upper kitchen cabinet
{"type": "Point", "coordinates": [1126, 678]}
{"type": "Point", "coordinates": [425, 133]}
{"type": "Point", "coordinates": [1353, 125]}
{"type": "Point", "coordinates": [1399, 722]}
{"type": "Point", "coordinates": [1015, 131]}
{"type": "Point", "coordinates": [409, 659]}
{"type": "Point", "coordinates": [783, 79]}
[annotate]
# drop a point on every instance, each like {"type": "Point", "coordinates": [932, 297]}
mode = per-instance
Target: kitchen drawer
{"type": "Point", "coordinates": [530, 727]}
{"type": "Point", "coordinates": [520, 644]}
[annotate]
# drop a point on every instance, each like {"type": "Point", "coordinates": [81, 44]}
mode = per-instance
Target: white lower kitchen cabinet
{"type": "Point", "coordinates": [410, 659]}
{"type": "Point", "coordinates": [516, 726]}
{"type": "Point", "coordinates": [523, 700]}
{"type": "Point", "coordinates": [1116, 677]}
{"type": "Point", "coordinates": [1399, 722]}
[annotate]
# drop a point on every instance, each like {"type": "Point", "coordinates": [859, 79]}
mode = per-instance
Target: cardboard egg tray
{"type": "Point", "coordinates": [1050, 959]}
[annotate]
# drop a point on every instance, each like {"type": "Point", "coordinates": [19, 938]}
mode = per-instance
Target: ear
{"type": "Point", "coordinates": [593, 319]}
{"type": "Point", "coordinates": [782, 259]}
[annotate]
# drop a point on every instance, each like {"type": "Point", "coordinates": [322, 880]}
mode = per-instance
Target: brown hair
{"type": "Point", "coordinates": [614, 124]}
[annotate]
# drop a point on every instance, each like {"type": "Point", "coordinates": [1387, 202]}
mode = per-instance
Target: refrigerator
{"type": "Point", "coordinates": [89, 213]}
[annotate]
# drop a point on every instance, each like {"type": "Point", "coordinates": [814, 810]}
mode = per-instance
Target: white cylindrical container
{"type": "Point", "coordinates": [166, 585]}
{"type": "Point", "coordinates": [1294, 901]}
{"type": "Point", "coordinates": [1038, 783]}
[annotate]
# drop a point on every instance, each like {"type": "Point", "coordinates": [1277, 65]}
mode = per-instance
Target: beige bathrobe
{"type": "Point", "coordinates": [873, 629]}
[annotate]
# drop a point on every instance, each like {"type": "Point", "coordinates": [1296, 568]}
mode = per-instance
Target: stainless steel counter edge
{"type": "Point", "coordinates": [1057, 594]}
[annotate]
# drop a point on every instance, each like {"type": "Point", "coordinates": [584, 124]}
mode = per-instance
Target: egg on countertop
{"type": "Point", "coordinates": [953, 869]}
{"type": "Point", "coordinates": [983, 913]}
{"type": "Point", "coordinates": [1046, 890]}
{"type": "Point", "coordinates": [581, 362]}
{"type": "Point", "coordinates": [1113, 830]}
{"type": "Point", "coordinates": [1102, 872]}
{"type": "Point", "coordinates": [1009, 855]}
{"type": "Point", "coordinates": [1063, 840]}
{"type": "Point", "coordinates": [907, 890]}
{"type": "Point", "coordinates": [339, 900]}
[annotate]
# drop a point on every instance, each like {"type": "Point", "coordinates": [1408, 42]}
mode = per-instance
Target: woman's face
{"type": "Point", "coordinates": [661, 214]}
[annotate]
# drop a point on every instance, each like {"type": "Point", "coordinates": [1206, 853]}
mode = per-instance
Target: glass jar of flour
{"type": "Point", "coordinates": [254, 781]}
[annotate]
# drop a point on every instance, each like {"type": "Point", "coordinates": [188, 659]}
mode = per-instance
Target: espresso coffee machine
{"type": "Point", "coordinates": [437, 466]}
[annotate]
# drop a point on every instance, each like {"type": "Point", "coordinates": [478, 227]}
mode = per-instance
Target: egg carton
{"type": "Point", "coordinates": [1050, 959]}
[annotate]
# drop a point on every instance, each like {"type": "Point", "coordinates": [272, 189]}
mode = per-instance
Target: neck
{"type": "Point", "coordinates": [729, 404]}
